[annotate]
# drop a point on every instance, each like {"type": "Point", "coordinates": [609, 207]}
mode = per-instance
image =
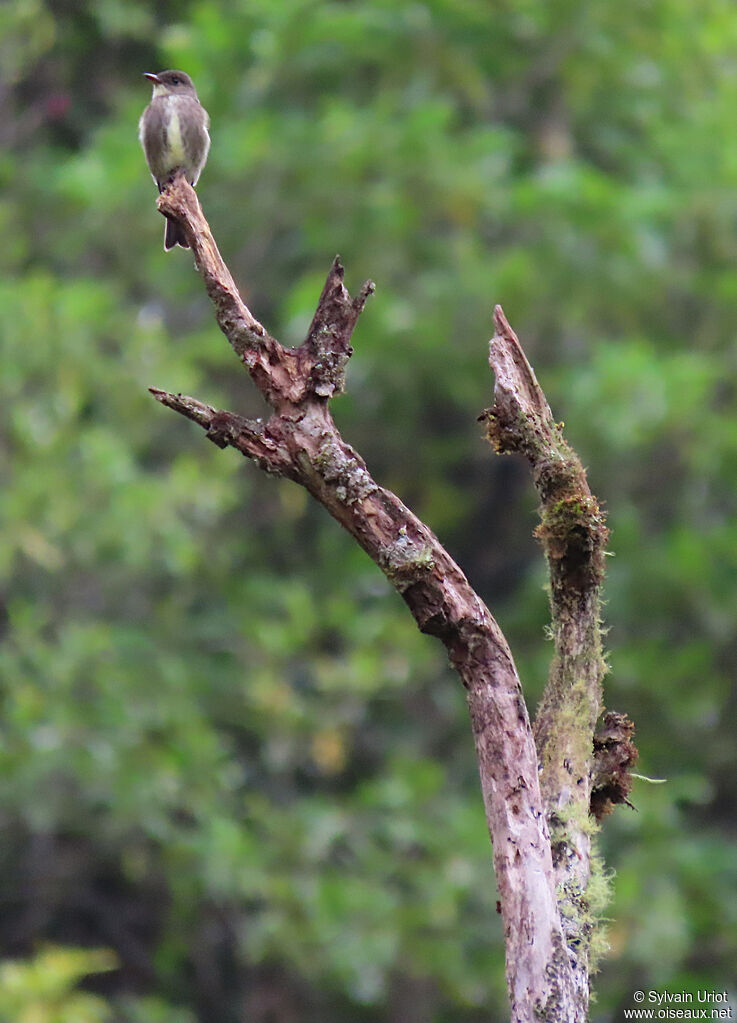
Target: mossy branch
{"type": "Point", "coordinates": [573, 535]}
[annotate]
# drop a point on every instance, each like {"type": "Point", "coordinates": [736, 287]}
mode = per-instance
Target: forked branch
{"type": "Point", "coordinates": [301, 442]}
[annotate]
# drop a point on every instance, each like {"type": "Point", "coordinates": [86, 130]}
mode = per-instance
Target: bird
{"type": "Point", "coordinates": [173, 133]}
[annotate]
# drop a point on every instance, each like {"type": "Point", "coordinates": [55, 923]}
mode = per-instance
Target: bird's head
{"type": "Point", "coordinates": [168, 83]}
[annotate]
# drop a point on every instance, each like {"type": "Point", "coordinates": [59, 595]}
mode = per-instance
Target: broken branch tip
{"type": "Point", "coordinates": [501, 323]}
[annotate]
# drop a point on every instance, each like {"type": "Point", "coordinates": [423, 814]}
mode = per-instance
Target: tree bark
{"type": "Point", "coordinates": [546, 964]}
{"type": "Point", "coordinates": [573, 536]}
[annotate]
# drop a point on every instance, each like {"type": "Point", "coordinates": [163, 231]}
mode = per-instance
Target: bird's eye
{"type": "Point", "coordinates": [175, 80]}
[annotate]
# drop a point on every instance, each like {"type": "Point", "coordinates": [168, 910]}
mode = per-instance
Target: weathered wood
{"type": "Point", "coordinates": [301, 442]}
{"type": "Point", "coordinates": [573, 535]}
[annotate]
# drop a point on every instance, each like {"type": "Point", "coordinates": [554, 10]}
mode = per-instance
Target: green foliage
{"type": "Point", "coordinates": [225, 752]}
{"type": "Point", "coordinates": [42, 990]}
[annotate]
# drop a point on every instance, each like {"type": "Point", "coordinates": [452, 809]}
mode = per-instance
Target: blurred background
{"type": "Point", "coordinates": [236, 785]}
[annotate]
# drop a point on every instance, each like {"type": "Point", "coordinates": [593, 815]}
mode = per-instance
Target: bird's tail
{"type": "Point", "coordinates": [174, 235]}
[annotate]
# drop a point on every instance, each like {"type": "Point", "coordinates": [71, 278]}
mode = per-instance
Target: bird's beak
{"type": "Point", "coordinates": [151, 77]}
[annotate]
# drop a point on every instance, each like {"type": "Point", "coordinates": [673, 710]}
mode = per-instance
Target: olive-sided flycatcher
{"type": "Point", "coordinates": [173, 133]}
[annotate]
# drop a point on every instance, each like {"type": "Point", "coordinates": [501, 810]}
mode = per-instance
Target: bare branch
{"type": "Point", "coordinates": [516, 390]}
{"type": "Point", "coordinates": [573, 536]}
{"type": "Point", "coordinates": [283, 375]}
{"type": "Point", "coordinates": [301, 441]}
{"type": "Point", "coordinates": [270, 365]}
{"type": "Point", "coordinates": [226, 429]}
{"type": "Point", "coordinates": [330, 331]}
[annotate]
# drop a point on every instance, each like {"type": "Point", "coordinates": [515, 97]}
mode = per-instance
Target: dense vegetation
{"type": "Point", "coordinates": [218, 801]}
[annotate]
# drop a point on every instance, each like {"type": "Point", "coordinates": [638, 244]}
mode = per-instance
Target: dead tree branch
{"type": "Point", "coordinates": [546, 973]}
{"type": "Point", "coordinates": [573, 536]}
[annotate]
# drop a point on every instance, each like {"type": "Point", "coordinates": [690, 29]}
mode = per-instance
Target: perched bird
{"type": "Point", "coordinates": [173, 133]}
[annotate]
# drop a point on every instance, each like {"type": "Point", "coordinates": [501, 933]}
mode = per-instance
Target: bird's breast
{"type": "Point", "coordinates": [174, 140]}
